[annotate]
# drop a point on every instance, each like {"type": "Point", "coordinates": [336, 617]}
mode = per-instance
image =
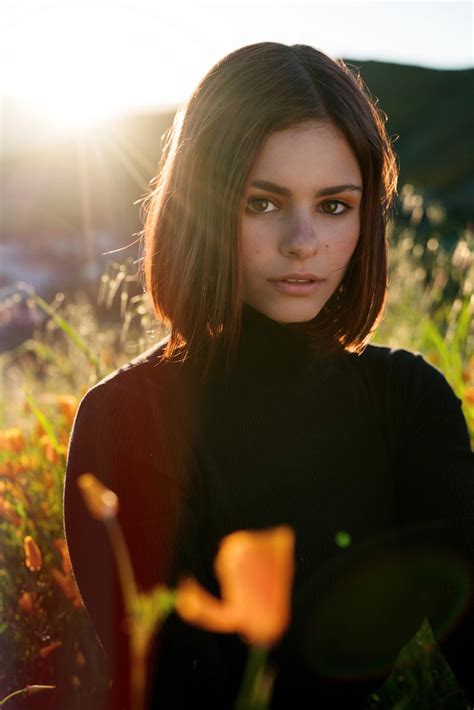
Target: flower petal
{"type": "Point", "coordinates": [255, 569]}
{"type": "Point", "coordinates": [197, 606]}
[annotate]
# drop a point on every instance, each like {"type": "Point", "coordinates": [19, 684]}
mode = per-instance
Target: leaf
{"type": "Point", "coordinates": [149, 612]}
{"type": "Point", "coordinates": [70, 332]}
{"type": "Point", "coordinates": [44, 421]}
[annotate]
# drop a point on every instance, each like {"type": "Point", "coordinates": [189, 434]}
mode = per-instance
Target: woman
{"type": "Point", "coordinates": [265, 251]}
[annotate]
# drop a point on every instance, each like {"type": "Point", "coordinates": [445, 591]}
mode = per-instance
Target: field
{"type": "Point", "coordinates": [45, 636]}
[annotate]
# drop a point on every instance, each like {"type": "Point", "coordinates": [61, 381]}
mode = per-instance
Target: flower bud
{"type": "Point", "coordinates": [102, 503]}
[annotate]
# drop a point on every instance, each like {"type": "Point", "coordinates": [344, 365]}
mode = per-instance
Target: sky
{"type": "Point", "coordinates": [83, 60]}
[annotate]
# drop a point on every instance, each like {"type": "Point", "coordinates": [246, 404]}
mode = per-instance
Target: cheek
{"type": "Point", "coordinates": [251, 247]}
{"type": "Point", "coordinates": [343, 245]}
{"type": "Point", "coordinates": [338, 258]}
{"type": "Point", "coordinates": [250, 258]}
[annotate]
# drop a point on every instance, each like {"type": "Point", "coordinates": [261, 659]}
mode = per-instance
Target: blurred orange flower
{"type": "Point", "coordinates": [107, 358]}
{"type": "Point", "coordinates": [67, 405]}
{"type": "Point", "coordinates": [469, 395]}
{"type": "Point", "coordinates": [39, 431]}
{"type": "Point", "coordinates": [61, 546]}
{"type": "Point", "coordinates": [51, 455]}
{"type": "Point", "coordinates": [100, 500]}
{"type": "Point", "coordinates": [33, 556]}
{"type": "Point", "coordinates": [12, 439]}
{"type": "Point", "coordinates": [26, 602]}
{"type": "Point", "coordinates": [8, 512]}
{"type": "Point", "coordinates": [28, 463]}
{"type": "Point", "coordinates": [66, 583]}
{"type": "Point", "coordinates": [47, 650]}
{"type": "Point", "coordinates": [11, 469]}
{"type": "Point", "coordinates": [48, 479]}
{"type": "Point", "coordinates": [255, 570]}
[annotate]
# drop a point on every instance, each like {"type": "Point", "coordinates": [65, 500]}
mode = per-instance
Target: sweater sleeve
{"type": "Point", "coordinates": [434, 469]}
{"type": "Point", "coordinates": [117, 436]}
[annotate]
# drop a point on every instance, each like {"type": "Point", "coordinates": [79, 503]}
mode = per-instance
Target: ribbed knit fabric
{"type": "Point", "coordinates": [374, 445]}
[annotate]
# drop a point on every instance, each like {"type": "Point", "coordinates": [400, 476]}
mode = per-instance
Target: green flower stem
{"type": "Point", "coordinates": [124, 565]}
{"type": "Point", "coordinates": [257, 682]}
{"type": "Point", "coordinates": [129, 590]}
{"type": "Point", "coordinates": [138, 675]}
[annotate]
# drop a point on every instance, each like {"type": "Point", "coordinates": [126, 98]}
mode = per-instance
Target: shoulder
{"type": "Point", "coordinates": [396, 359]}
{"type": "Point", "coordinates": [144, 369]}
{"type": "Point", "coordinates": [409, 393]}
{"type": "Point", "coordinates": [146, 380]}
{"type": "Point", "coordinates": [409, 375]}
{"type": "Point", "coordinates": [146, 399]}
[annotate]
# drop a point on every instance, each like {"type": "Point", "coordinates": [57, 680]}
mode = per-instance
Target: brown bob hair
{"type": "Point", "coordinates": [191, 230]}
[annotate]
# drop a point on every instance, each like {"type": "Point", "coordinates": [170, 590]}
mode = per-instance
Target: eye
{"type": "Point", "coordinates": [253, 200]}
{"type": "Point", "coordinates": [335, 204]}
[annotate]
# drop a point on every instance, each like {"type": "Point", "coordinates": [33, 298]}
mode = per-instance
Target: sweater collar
{"type": "Point", "coordinates": [277, 357]}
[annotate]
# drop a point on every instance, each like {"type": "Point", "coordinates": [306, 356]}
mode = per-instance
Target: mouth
{"type": "Point", "coordinates": [297, 281]}
{"type": "Point", "coordinates": [297, 287]}
{"type": "Point", "coordinates": [297, 278]}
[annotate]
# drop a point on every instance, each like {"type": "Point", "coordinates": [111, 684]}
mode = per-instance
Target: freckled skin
{"type": "Point", "coordinates": [281, 234]}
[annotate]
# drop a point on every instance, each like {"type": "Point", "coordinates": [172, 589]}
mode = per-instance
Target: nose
{"type": "Point", "coordinates": [300, 240]}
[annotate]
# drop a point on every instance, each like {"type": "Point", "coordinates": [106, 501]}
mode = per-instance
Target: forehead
{"type": "Point", "coordinates": [314, 149]}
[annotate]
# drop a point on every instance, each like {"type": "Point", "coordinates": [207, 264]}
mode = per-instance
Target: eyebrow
{"type": "Point", "coordinates": [323, 192]}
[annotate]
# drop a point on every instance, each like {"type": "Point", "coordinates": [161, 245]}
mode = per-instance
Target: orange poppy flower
{"type": "Point", "coordinates": [51, 455]}
{"type": "Point", "coordinates": [28, 463]}
{"type": "Point", "coordinates": [255, 570]}
{"type": "Point", "coordinates": [39, 431]}
{"type": "Point", "coordinates": [26, 602]}
{"type": "Point", "coordinates": [49, 451]}
{"type": "Point", "coordinates": [48, 479]}
{"type": "Point", "coordinates": [100, 500]}
{"type": "Point", "coordinates": [67, 405]}
{"type": "Point", "coordinates": [8, 512]}
{"type": "Point", "coordinates": [33, 556]}
{"type": "Point", "coordinates": [66, 583]}
{"type": "Point", "coordinates": [61, 546]}
{"type": "Point", "coordinates": [47, 650]}
{"type": "Point", "coordinates": [12, 439]}
{"type": "Point", "coordinates": [10, 469]}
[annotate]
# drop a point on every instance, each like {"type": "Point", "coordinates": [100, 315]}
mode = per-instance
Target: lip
{"type": "Point", "coordinates": [294, 289]}
{"type": "Point", "coordinates": [298, 275]}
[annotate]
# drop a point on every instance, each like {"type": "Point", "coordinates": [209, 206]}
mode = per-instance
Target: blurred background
{"type": "Point", "coordinates": [88, 89]}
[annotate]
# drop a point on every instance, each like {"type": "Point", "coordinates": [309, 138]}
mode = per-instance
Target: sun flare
{"type": "Point", "coordinates": [80, 64]}
{"type": "Point", "coordinates": [71, 114]}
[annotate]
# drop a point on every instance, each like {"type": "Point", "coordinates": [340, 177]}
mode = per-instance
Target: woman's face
{"type": "Point", "coordinates": [300, 220]}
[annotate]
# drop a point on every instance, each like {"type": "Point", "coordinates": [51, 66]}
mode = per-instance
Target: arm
{"type": "Point", "coordinates": [435, 469]}
{"type": "Point", "coordinates": [117, 436]}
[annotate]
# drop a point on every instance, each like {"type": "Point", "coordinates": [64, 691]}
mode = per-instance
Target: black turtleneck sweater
{"type": "Point", "coordinates": [374, 445]}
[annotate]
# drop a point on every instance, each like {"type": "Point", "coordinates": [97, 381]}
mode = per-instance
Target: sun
{"type": "Point", "coordinates": [85, 62]}
{"type": "Point", "coordinates": [74, 113]}
{"type": "Point", "coordinates": [75, 62]}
